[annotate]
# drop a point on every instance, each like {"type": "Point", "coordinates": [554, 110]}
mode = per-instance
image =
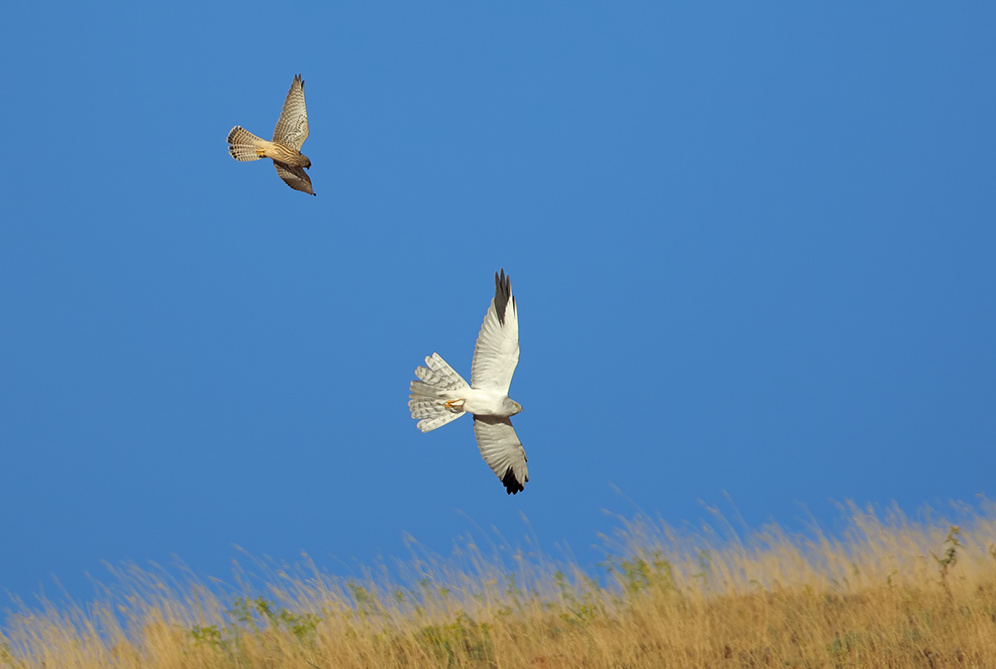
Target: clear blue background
{"type": "Point", "coordinates": [752, 245]}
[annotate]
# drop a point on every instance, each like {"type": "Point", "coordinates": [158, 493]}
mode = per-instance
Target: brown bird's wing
{"type": "Point", "coordinates": [292, 126]}
{"type": "Point", "coordinates": [295, 177]}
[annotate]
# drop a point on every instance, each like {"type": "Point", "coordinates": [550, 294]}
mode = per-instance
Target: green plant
{"type": "Point", "coordinates": [7, 655]}
{"type": "Point", "coordinates": [639, 573]}
{"type": "Point", "coordinates": [950, 558]}
{"type": "Point", "coordinates": [208, 635]}
{"type": "Point", "coordinates": [464, 636]}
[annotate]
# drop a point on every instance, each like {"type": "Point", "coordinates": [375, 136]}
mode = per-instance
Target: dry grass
{"type": "Point", "coordinates": [886, 592]}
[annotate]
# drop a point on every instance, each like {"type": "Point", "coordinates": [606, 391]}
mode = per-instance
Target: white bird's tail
{"type": "Point", "coordinates": [245, 146]}
{"type": "Point", "coordinates": [439, 383]}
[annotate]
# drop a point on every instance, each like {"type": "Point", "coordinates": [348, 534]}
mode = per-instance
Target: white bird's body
{"type": "Point", "coordinates": [483, 402]}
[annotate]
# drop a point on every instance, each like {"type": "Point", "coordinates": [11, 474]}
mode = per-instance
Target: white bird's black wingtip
{"type": "Point", "coordinates": [511, 483]}
{"type": "Point", "coordinates": [503, 293]}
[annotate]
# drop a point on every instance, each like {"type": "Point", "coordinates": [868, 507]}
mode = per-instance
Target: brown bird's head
{"type": "Point", "coordinates": [306, 161]}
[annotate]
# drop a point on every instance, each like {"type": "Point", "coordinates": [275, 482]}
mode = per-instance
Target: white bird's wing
{"type": "Point", "coordinates": [497, 351]}
{"type": "Point", "coordinates": [292, 126]}
{"type": "Point", "coordinates": [502, 450]}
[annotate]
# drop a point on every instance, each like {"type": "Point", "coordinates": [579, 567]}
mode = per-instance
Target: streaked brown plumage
{"type": "Point", "coordinates": [285, 149]}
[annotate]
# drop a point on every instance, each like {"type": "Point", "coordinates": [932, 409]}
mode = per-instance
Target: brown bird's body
{"type": "Point", "coordinates": [285, 149]}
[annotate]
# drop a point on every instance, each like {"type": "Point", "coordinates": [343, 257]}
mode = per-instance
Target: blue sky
{"type": "Point", "coordinates": [752, 248]}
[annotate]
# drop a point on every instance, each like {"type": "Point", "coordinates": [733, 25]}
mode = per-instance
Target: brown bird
{"type": "Point", "coordinates": [285, 149]}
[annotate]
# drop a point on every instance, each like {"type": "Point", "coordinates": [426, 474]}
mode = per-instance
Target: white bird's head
{"type": "Point", "coordinates": [511, 406]}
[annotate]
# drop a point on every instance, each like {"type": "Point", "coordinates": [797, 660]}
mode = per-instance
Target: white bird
{"type": "Point", "coordinates": [441, 395]}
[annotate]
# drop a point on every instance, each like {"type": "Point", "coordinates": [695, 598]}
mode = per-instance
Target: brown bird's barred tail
{"type": "Point", "coordinates": [245, 146]}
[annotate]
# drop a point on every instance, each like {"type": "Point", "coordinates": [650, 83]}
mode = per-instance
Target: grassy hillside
{"type": "Point", "coordinates": [885, 591]}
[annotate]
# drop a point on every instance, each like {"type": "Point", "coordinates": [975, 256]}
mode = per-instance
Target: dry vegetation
{"type": "Point", "coordinates": [888, 591]}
